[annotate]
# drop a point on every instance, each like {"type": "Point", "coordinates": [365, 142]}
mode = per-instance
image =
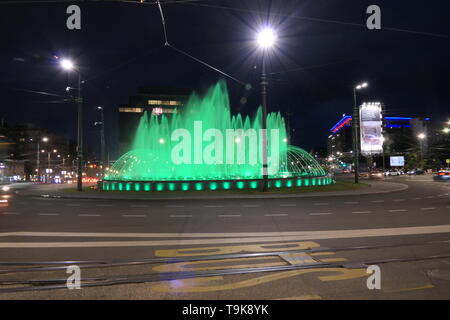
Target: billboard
{"type": "Point", "coordinates": [370, 132]}
{"type": "Point", "coordinates": [398, 161]}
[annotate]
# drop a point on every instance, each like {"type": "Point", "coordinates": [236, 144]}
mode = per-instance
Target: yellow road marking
{"type": "Point", "coordinates": [428, 286]}
{"type": "Point", "coordinates": [265, 247]}
{"type": "Point", "coordinates": [190, 266]}
{"type": "Point", "coordinates": [196, 285]}
{"type": "Point", "coordinates": [305, 297]}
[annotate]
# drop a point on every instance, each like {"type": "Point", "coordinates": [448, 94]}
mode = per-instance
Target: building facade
{"type": "Point", "coordinates": [156, 100]}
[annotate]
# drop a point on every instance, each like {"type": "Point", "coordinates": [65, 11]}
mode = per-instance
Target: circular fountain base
{"type": "Point", "coordinates": [213, 185]}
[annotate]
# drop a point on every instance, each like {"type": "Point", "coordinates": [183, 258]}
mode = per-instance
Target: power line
{"type": "Point", "coordinates": [316, 19]}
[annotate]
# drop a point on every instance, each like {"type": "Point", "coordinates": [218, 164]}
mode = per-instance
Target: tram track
{"type": "Point", "coordinates": [8, 285]}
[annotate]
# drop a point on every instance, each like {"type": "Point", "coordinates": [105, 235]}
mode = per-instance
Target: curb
{"type": "Point", "coordinates": [400, 187]}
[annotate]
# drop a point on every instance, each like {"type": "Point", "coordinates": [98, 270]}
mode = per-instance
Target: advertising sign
{"type": "Point", "coordinates": [398, 161]}
{"type": "Point", "coordinates": [370, 133]}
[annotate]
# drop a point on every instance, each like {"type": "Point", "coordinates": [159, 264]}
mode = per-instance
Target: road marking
{"type": "Point", "coordinates": [424, 209]}
{"type": "Point", "coordinates": [134, 215]}
{"type": "Point", "coordinates": [213, 206]}
{"type": "Point", "coordinates": [321, 204]}
{"type": "Point", "coordinates": [49, 214]}
{"type": "Point", "coordinates": [397, 210]}
{"type": "Point", "coordinates": [416, 198]}
{"type": "Point", "coordinates": [180, 216]}
{"type": "Point", "coordinates": [45, 204]}
{"type": "Point", "coordinates": [228, 215]}
{"type": "Point", "coordinates": [430, 197]}
{"type": "Point", "coordinates": [362, 212]}
{"type": "Point", "coordinates": [377, 201]}
{"type": "Point", "coordinates": [305, 297]}
{"type": "Point", "coordinates": [254, 237]}
{"type": "Point", "coordinates": [88, 215]}
{"type": "Point", "coordinates": [320, 213]}
{"type": "Point", "coordinates": [11, 213]}
{"type": "Point", "coordinates": [138, 206]}
{"type": "Point", "coordinates": [73, 205]}
{"type": "Point", "coordinates": [103, 205]}
{"type": "Point", "coordinates": [172, 206]}
{"type": "Point", "coordinates": [276, 215]}
{"type": "Point", "coordinates": [251, 205]}
{"type": "Point", "coordinates": [427, 286]}
{"type": "Point", "coordinates": [351, 202]}
{"type": "Point", "coordinates": [398, 200]}
{"type": "Point", "coordinates": [288, 205]}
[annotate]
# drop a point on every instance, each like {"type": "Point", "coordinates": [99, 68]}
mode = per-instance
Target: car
{"type": "Point", "coordinates": [363, 174]}
{"type": "Point", "coordinates": [5, 195]}
{"type": "Point", "coordinates": [376, 175]}
{"type": "Point", "coordinates": [416, 172]}
{"type": "Point", "coordinates": [442, 175]}
{"type": "Point", "coordinates": [393, 172]}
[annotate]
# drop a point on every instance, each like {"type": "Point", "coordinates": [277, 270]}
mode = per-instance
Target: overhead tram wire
{"type": "Point", "coordinates": [195, 3]}
{"type": "Point", "coordinates": [167, 44]}
{"type": "Point", "coordinates": [353, 24]}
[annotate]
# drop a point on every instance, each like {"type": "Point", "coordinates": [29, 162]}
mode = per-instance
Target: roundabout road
{"type": "Point", "coordinates": [413, 223]}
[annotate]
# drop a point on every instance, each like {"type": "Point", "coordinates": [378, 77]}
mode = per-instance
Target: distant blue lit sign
{"type": "Point", "coordinates": [397, 161]}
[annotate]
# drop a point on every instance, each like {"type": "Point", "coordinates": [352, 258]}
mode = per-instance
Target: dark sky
{"type": "Point", "coordinates": [323, 49]}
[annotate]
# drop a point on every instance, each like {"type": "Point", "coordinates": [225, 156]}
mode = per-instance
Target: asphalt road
{"type": "Point", "coordinates": [411, 226]}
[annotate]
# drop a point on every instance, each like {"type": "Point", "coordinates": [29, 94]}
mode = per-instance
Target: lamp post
{"type": "Point", "coordinates": [102, 139]}
{"type": "Point", "coordinates": [38, 153]}
{"type": "Point", "coordinates": [266, 40]}
{"type": "Point", "coordinates": [69, 66]}
{"type": "Point", "coordinates": [421, 137]}
{"type": "Point", "coordinates": [355, 129]}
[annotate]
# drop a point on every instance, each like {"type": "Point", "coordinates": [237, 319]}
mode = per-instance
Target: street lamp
{"type": "Point", "coordinates": [68, 65]}
{"type": "Point", "coordinates": [421, 137]}
{"type": "Point", "coordinates": [43, 139]}
{"type": "Point", "coordinates": [355, 129]}
{"type": "Point", "coordinates": [266, 40]}
{"type": "Point", "coordinates": [102, 139]}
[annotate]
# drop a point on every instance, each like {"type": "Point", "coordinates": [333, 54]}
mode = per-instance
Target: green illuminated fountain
{"type": "Point", "coordinates": [205, 147]}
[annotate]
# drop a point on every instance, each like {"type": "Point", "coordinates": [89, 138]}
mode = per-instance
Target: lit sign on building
{"type": "Point", "coordinates": [159, 111]}
{"type": "Point", "coordinates": [398, 161]}
{"type": "Point", "coordinates": [370, 133]}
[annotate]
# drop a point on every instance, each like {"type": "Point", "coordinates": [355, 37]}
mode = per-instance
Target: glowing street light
{"type": "Point", "coordinates": [68, 65]}
{"type": "Point", "coordinates": [266, 39]}
{"type": "Point", "coordinates": [355, 128]}
{"type": "Point", "coordinates": [361, 86]}
{"type": "Point", "coordinates": [446, 130]}
{"type": "Point", "coordinates": [38, 157]}
{"type": "Point", "coordinates": [421, 137]}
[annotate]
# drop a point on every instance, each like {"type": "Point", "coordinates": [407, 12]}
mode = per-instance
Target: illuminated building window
{"type": "Point", "coordinates": [164, 102]}
{"type": "Point", "coordinates": [135, 110]}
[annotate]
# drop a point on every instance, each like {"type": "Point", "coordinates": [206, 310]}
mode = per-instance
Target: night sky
{"type": "Point", "coordinates": [313, 68]}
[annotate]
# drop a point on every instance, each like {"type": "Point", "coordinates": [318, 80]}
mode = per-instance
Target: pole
{"type": "Point", "coordinates": [103, 144]}
{"type": "Point", "coordinates": [355, 127]}
{"type": "Point", "coordinates": [38, 160]}
{"type": "Point", "coordinates": [264, 122]}
{"type": "Point", "coordinates": [80, 138]}
{"type": "Point", "coordinates": [421, 153]}
{"type": "Point", "coordinates": [48, 168]}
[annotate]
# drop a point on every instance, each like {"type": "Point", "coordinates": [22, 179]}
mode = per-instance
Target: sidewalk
{"type": "Point", "coordinates": [54, 191]}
